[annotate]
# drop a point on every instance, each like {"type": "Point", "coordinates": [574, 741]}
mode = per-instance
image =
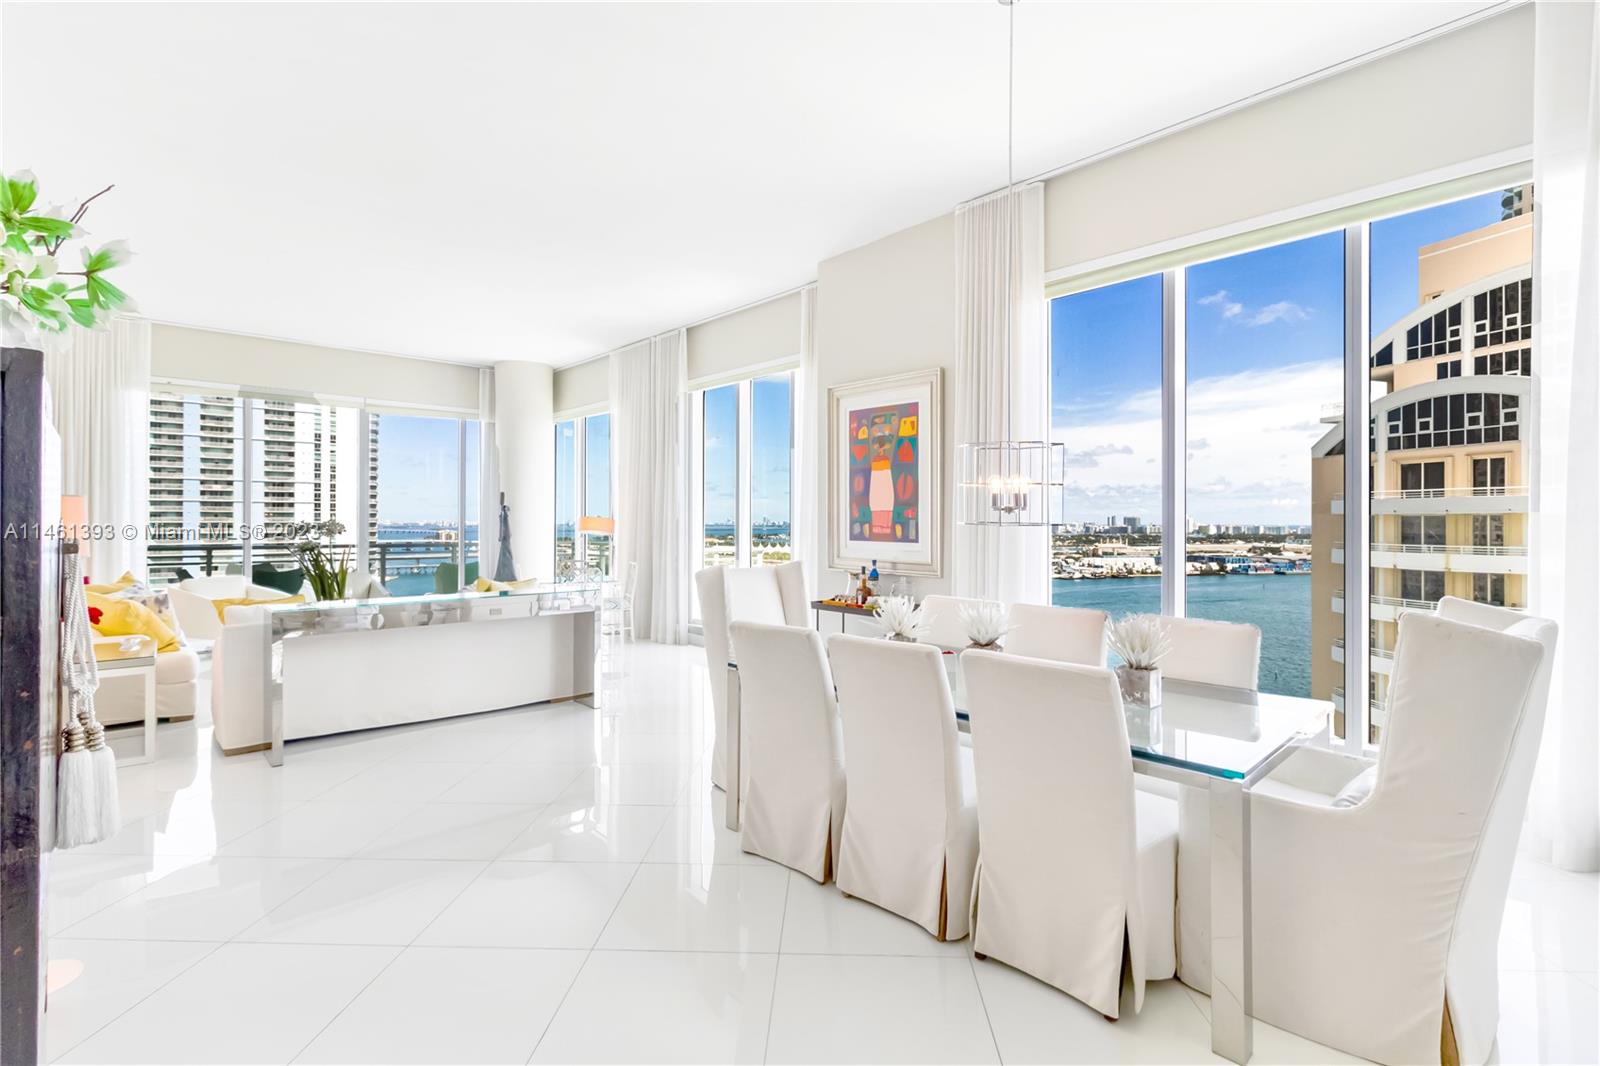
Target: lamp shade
{"type": "Point", "coordinates": [591, 523]}
{"type": "Point", "coordinates": [75, 521]}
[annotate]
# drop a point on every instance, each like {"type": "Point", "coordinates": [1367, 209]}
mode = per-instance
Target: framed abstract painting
{"type": "Point", "coordinates": [883, 474]}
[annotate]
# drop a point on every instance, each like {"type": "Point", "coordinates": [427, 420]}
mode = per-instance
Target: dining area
{"type": "Point", "coordinates": [1103, 804]}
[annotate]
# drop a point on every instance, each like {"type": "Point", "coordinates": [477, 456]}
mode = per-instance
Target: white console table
{"type": "Point", "coordinates": [347, 665]}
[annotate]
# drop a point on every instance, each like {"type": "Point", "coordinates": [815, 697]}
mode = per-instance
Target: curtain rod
{"type": "Point", "coordinates": [1266, 94]}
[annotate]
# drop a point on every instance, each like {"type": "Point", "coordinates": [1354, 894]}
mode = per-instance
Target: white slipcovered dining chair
{"type": "Point", "coordinates": [910, 835]}
{"type": "Point", "coordinates": [1074, 863]}
{"type": "Point", "coordinates": [775, 595]}
{"type": "Point", "coordinates": [1210, 653]}
{"type": "Point", "coordinates": [1376, 924]}
{"type": "Point", "coordinates": [793, 788]}
{"type": "Point", "coordinates": [943, 616]}
{"type": "Point", "coordinates": [1063, 634]}
{"type": "Point", "coordinates": [1213, 653]}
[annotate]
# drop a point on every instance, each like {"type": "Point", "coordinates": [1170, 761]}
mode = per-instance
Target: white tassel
{"type": "Point", "coordinates": [87, 805]}
{"type": "Point", "coordinates": [77, 814]}
{"type": "Point", "coordinates": [108, 808]}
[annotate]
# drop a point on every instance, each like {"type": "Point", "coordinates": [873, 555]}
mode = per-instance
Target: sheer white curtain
{"type": "Point", "coordinates": [1564, 824]}
{"type": "Point", "coordinates": [1010, 565]}
{"type": "Point", "coordinates": [808, 451]}
{"type": "Point", "coordinates": [100, 396]}
{"type": "Point", "coordinates": [648, 442]}
{"type": "Point", "coordinates": [488, 487]}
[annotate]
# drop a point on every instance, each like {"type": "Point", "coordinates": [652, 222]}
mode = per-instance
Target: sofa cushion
{"type": "Point", "coordinates": [247, 601]}
{"type": "Point", "coordinates": [215, 586]}
{"type": "Point", "coordinates": [177, 667]}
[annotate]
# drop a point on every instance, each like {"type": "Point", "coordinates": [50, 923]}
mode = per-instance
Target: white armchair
{"type": "Point", "coordinates": [772, 595]}
{"type": "Point", "coordinates": [1375, 925]}
{"type": "Point", "coordinates": [1074, 862]}
{"type": "Point", "coordinates": [793, 788]}
{"type": "Point", "coordinates": [193, 601]}
{"type": "Point", "coordinates": [910, 836]}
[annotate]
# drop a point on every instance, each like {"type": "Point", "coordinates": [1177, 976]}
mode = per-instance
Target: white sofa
{"type": "Point", "coordinates": [193, 598]}
{"type": "Point", "coordinates": [120, 698]}
{"type": "Point", "coordinates": [350, 680]}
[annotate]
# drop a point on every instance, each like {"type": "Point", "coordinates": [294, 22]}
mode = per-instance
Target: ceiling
{"type": "Point", "coordinates": [480, 182]}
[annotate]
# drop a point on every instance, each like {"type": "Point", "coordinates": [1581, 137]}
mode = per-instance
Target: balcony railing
{"type": "Point", "coordinates": [388, 559]}
{"type": "Point", "coordinates": [1449, 493]}
{"type": "Point", "coordinates": [1454, 549]}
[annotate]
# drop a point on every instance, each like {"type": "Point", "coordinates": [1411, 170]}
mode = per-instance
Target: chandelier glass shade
{"type": "Point", "coordinates": [1008, 482]}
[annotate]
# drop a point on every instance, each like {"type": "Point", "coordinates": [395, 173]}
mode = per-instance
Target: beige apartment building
{"type": "Point", "coordinates": [1449, 456]}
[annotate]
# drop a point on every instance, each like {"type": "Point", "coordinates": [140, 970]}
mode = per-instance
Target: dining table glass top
{"type": "Point", "coordinates": [1206, 729]}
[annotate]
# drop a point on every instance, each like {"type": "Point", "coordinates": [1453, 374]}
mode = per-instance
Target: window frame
{"type": "Point", "coordinates": [1360, 359]}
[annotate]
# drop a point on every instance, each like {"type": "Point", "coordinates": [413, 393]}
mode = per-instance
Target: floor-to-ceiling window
{"type": "Point", "coordinates": [597, 517]}
{"type": "Point", "coordinates": [771, 441]}
{"type": "Point", "coordinates": [719, 472]}
{"type": "Point", "coordinates": [566, 485]}
{"type": "Point", "coordinates": [1452, 365]}
{"type": "Point", "coordinates": [196, 484]}
{"type": "Point", "coordinates": [418, 544]}
{"type": "Point", "coordinates": [584, 519]}
{"type": "Point", "coordinates": [1105, 389]}
{"type": "Point", "coordinates": [743, 437]}
{"type": "Point", "coordinates": [1265, 345]}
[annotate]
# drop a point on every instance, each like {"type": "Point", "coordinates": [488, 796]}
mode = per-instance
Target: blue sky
{"type": "Point", "coordinates": [770, 439]}
{"type": "Point", "coordinates": [1265, 346]}
{"type": "Point", "coordinates": [417, 468]}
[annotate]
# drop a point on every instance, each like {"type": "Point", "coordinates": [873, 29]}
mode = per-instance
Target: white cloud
{"type": "Point", "coordinates": [1249, 448]}
{"type": "Point", "coordinates": [1282, 311]}
{"type": "Point", "coordinates": [1225, 307]}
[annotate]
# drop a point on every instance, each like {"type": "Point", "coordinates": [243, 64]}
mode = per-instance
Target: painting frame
{"type": "Point", "coordinates": [922, 557]}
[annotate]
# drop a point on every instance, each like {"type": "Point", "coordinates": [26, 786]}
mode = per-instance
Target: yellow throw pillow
{"type": "Point", "coordinates": [245, 601]}
{"type": "Point", "coordinates": [483, 584]}
{"type": "Point", "coordinates": [113, 617]}
{"type": "Point", "coordinates": [122, 582]}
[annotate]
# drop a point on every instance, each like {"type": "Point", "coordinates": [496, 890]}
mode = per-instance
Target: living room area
{"type": "Point", "coordinates": [800, 532]}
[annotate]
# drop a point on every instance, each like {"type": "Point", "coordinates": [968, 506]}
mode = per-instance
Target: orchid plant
{"type": "Point", "coordinates": [35, 293]}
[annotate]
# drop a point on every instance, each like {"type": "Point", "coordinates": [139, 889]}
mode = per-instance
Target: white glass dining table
{"type": "Point", "coordinates": [1216, 739]}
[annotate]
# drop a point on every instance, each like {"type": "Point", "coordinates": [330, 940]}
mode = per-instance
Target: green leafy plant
{"type": "Point", "coordinates": [35, 293]}
{"type": "Point", "coordinates": [326, 565]}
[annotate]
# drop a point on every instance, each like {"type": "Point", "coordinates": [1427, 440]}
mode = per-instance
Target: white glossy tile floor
{"type": "Point", "coordinates": [554, 884]}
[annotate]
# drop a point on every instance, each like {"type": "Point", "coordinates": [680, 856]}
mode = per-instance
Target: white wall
{"type": "Point", "coordinates": [1465, 96]}
{"type": "Point", "coordinates": [524, 429]}
{"type": "Point", "coordinates": [187, 354]}
{"type": "Point", "coordinates": [889, 308]}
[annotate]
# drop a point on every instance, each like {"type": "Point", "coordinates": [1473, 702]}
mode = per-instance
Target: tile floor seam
{"type": "Point", "coordinates": [216, 947]}
{"type": "Point", "coordinates": [972, 963]}
{"type": "Point", "coordinates": [581, 966]}
{"type": "Point", "coordinates": [386, 966]}
{"type": "Point", "coordinates": [772, 1001]}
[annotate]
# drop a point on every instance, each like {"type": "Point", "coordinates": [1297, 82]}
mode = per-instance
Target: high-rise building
{"type": "Point", "coordinates": [302, 461]}
{"type": "Point", "coordinates": [1449, 463]}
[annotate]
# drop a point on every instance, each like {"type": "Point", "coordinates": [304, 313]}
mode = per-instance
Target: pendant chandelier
{"type": "Point", "coordinates": [1008, 482]}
